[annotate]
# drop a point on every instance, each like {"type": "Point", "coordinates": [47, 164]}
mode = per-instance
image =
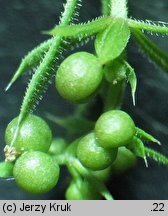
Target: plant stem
{"type": "Point", "coordinates": [106, 7]}
{"type": "Point", "coordinates": [45, 69]}
{"type": "Point", "coordinates": [114, 96]}
{"type": "Point", "coordinates": [119, 9]}
{"type": "Point", "coordinates": [77, 169]}
{"type": "Point", "coordinates": [44, 72]}
{"type": "Point", "coordinates": [148, 26]}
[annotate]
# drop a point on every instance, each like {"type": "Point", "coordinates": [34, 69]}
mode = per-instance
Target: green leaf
{"type": "Point", "coordinates": [30, 60]}
{"type": "Point", "coordinates": [110, 43]}
{"type": "Point", "coordinates": [156, 156]}
{"type": "Point", "coordinates": [44, 72]}
{"type": "Point", "coordinates": [131, 77]}
{"type": "Point", "coordinates": [81, 30]}
{"type": "Point", "coordinates": [139, 149]}
{"type": "Point", "coordinates": [34, 57]}
{"type": "Point", "coordinates": [145, 136]}
{"type": "Point", "coordinates": [149, 26]}
{"type": "Point", "coordinates": [151, 50]}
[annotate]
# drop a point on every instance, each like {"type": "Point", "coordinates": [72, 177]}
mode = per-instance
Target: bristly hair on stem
{"type": "Point", "coordinates": [106, 5]}
{"type": "Point", "coordinates": [44, 72]}
{"type": "Point", "coordinates": [119, 9]}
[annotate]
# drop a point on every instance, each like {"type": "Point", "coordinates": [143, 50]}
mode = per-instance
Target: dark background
{"type": "Point", "coordinates": [20, 24]}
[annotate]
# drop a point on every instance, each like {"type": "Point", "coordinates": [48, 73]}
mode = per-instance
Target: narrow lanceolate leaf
{"type": "Point", "coordinates": [34, 57]}
{"type": "Point", "coordinates": [110, 43]}
{"type": "Point", "coordinates": [44, 72]}
{"type": "Point", "coordinates": [81, 30]}
{"type": "Point", "coordinates": [30, 60]}
{"type": "Point", "coordinates": [156, 156]}
{"type": "Point", "coordinates": [149, 26]}
{"type": "Point", "coordinates": [131, 77]}
{"type": "Point", "coordinates": [151, 50]}
{"type": "Point", "coordinates": [145, 136]}
{"type": "Point", "coordinates": [139, 149]}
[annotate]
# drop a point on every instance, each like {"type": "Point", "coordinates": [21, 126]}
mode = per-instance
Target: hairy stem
{"type": "Point", "coordinates": [119, 8]}
{"type": "Point", "coordinates": [148, 26]}
{"type": "Point", "coordinates": [44, 72]}
{"type": "Point", "coordinates": [30, 60]}
{"type": "Point", "coordinates": [106, 7]}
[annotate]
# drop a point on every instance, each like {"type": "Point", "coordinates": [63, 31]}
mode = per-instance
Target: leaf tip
{"type": "Point", "coordinates": [133, 98]}
{"type": "Point", "coordinates": [158, 142]}
{"type": "Point", "coordinates": [146, 162]}
{"type": "Point", "coordinates": [8, 86]}
{"type": "Point", "coordinates": [45, 32]}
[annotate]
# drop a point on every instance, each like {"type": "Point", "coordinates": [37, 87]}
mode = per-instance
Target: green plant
{"type": "Point", "coordinates": [36, 172]}
{"type": "Point", "coordinates": [81, 190]}
{"type": "Point", "coordinates": [79, 76]}
{"type": "Point", "coordinates": [93, 144]}
{"type": "Point", "coordinates": [34, 134]}
{"type": "Point", "coordinates": [114, 129]}
{"type": "Point", "coordinates": [92, 155]}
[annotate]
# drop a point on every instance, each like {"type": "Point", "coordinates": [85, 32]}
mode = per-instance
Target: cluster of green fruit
{"type": "Point", "coordinates": [110, 147]}
{"type": "Point", "coordinates": [35, 169]}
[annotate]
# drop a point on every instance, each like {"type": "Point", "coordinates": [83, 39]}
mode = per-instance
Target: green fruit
{"type": "Point", "coordinates": [34, 134]}
{"type": "Point", "coordinates": [6, 169]}
{"type": "Point", "coordinates": [36, 172]}
{"type": "Point", "coordinates": [114, 129]}
{"type": "Point", "coordinates": [92, 155]}
{"type": "Point", "coordinates": [81, 190]}
{"type": "Point", "coordinates": [103, 175]}
{"type": "Point", "coordinates": [125, 161]}
{"type": "Point", "coordinates": [57, 147]}
{"type": "Point", "coordinates": [79, 76]}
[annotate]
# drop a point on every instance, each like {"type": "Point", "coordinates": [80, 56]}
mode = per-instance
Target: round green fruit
{"type": "Point", "coordinates": [103, 175]}
{"type": "Point", "coordinates": [114, 129]}
{"type": "Point", "coordinates": [92, 155]}
{"type": "Point", "coordinates": [36, 172]}
{"type": "Point", "coordinates": [81, 190]}
{"type": "Point", "coordinates": [57, 147]}
{"type": "Point", "coordinates": [34, 134]}
{"type": "Point", "coordinates": [79, 76]}
{"type": "Point", "coordinates": [125, 161]}
{"type": "Point", "coordinates": [6, 169]}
